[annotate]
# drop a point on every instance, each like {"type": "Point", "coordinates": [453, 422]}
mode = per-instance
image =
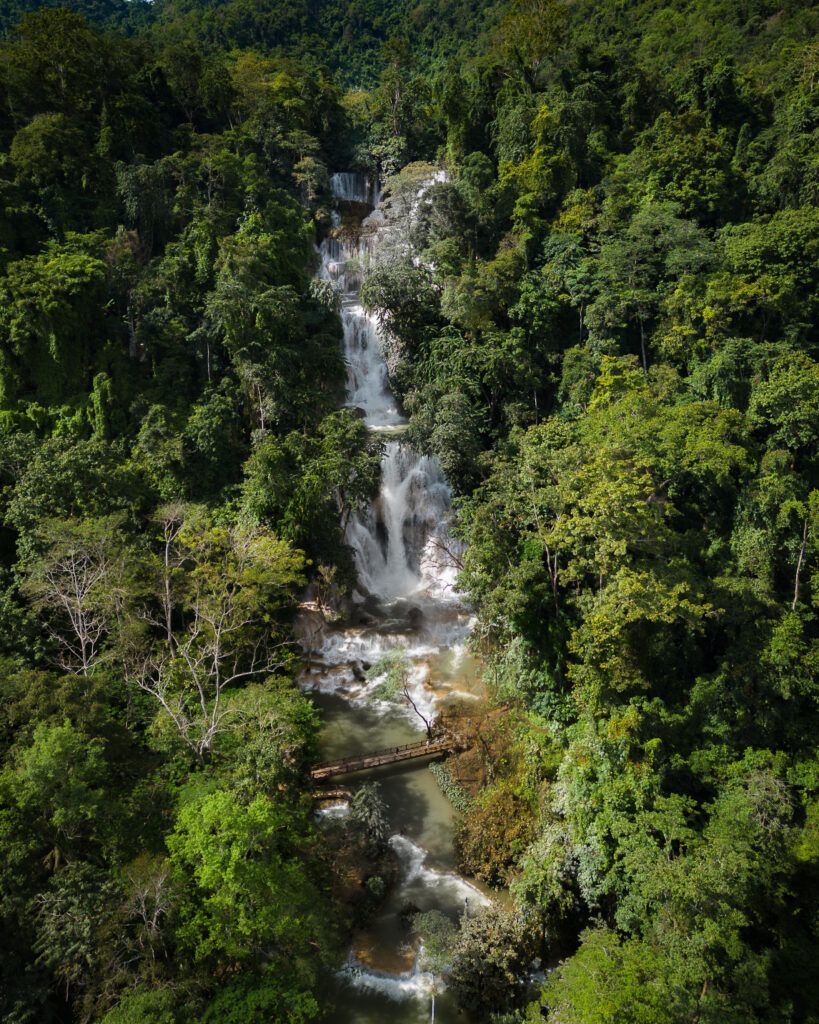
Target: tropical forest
{"type": "Point", "coordinates": [409, 512]}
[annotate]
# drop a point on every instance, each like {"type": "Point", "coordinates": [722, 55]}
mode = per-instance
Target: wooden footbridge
{"type": "Point", "coordinates": [391, 755]}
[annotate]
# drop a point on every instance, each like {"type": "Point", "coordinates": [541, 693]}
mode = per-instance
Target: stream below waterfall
{"type": "Point", "coordinates": [406, 565]}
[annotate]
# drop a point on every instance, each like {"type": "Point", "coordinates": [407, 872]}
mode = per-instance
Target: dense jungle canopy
{"type": "Point", "coordinates": [607, 335]}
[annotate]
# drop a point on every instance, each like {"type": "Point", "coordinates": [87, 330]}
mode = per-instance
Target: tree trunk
{"type": "Point", "coordinates": [643, 345]}
{"type": "Point", "coordinates": [799, 562]}
{"type": "Point", "coordinates": [415, 708]}
{"type": "Point", "coordinates": [133, 347]}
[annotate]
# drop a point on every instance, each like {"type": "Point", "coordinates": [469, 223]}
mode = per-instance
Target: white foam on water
{"type": "Point", "coordinates": [414, 870]}
{"type": "Point", "coordinates": [360, 692]}
{"type": "Point", "coordinates": [414, 984]}
{"type": "Point", "coordinates": [332, 811]}
{"type": "Point", "coordinates": [344, 666]}
{"type": "Point", "coordinates": [422, 696]}
{"type": "Point", "coordinates": [368, 646]}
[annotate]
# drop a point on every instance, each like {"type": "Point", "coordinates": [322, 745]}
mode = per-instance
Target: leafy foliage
{"type": "Point", "coordinates": [601, 318]}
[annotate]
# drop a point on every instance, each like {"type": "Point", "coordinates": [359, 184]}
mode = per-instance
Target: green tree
{"type": "Point", "coordinates": [55, 786]}
{"type": "Point", "coordinates": [246, 894]}
{"type": "Point", "coordinates": [368, 816]}
{"type": "Point", "coordinates": [136, 1007]}
{"type": "Point", "coordinates": [218, 617]}
{"type": "Point", "coordinates": [488, 956]}
{"type": "Point", "coordinates": [78, 581]}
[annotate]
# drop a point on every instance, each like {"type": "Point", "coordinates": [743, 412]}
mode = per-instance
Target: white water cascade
{"type": "Point", "coordinates": [350, 187]}
{"type": "Point", "coordinates": [407, 564]}
{"type": "Point", "coordinates": [402, 546]}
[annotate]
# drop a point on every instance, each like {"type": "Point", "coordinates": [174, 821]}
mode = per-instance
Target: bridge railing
{"type": "Point", "coordinates": [355, 758]}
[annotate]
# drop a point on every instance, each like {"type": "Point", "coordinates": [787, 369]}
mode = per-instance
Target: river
{"type": "Point", "coordinates": [406, 563]}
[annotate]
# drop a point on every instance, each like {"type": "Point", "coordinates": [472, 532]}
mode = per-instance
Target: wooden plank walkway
{"type": "Point", "coordinates": [391, 755]}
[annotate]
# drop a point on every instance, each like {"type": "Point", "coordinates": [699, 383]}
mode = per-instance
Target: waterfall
{"type": "Point", "coordinates": [406, 563]}
{"type": "Point", "coordinates": [367, 386]}
{"type": "Point", "coordinates": [401, 542]}
{"type": "Point", "coordinates": [351, 187]}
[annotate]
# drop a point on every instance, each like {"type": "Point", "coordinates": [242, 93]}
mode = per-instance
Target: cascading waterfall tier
{"type": "Point", "coordinates": [352, 187]}
{"type": "Point", "coordinates": [397, 540]}
{"type": "Point", "coordinates": [367, 386]}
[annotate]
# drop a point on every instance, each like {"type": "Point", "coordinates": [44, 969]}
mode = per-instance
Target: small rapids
{"type": "Point", "coordinates": [425, 883]}
{"type": "Point", "coordinates": [407, 563]}
{"type": "Point", "coordinates": [427, 889]}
